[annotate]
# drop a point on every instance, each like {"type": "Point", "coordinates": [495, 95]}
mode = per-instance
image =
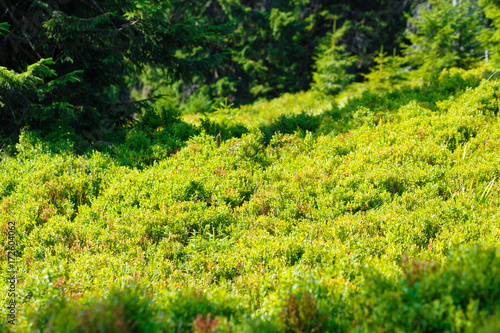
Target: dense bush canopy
{"type": "Point", "coordinates": [384, 220]}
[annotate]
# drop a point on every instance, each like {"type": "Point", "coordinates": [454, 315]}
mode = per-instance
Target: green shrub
{"type": "Point", "coordinates": [461, 295]}
{"type": "Point", "coordinates": [122, 310]}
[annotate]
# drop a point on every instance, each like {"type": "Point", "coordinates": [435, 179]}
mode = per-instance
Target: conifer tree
{"type": "Point", "coordinates": [490, 35]}
{"type": "Point", "coordinates": [108, 41]}
{"type": "Point", "coordinates": [273, 49]}
{"type": "Point", "coordinates": [387, 72]}
{"type": "Point", "coordinates": [332, 62]}
{"type": "Point", "coordinates": [443, 35]}
{"type": "Point", "coordinates": [23, 98]}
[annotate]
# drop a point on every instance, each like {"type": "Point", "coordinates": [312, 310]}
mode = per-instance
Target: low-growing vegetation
{"type": "Point", "coordinates": [381, 215]}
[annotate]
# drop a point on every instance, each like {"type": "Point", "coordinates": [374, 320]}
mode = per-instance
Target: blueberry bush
{"type": "Point", "coordinates": [380, 215]}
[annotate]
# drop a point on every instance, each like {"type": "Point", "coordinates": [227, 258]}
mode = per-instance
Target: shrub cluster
{"type": "Point", "coordinates": [385, 220]}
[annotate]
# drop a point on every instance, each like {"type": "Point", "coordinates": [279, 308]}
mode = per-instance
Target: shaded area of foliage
{"type": "Point", "coordinates": [92, 48]}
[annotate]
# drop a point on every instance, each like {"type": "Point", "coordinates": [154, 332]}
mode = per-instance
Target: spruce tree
{"type": "Point", "coordinates": [108, 41]}
{"type": "Point", "coordinates": [332, 62]}
{"type": "Point", "coordinates": [387, 72]}
{"type": "Point", "coordinates": [273, 49]}
{"type": "Point", "coordinates": [490, 35]}
{"type": "Point", "coordinates": [444, 35]}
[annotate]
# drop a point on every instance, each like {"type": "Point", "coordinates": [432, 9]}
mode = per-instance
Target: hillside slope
{"type": "Point", "coordinates": [384, 218]}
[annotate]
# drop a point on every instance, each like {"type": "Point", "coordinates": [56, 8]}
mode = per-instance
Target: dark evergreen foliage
{"type": "Point", "coordinates": [104, 42]}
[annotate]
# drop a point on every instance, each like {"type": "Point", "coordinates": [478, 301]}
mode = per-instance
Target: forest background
{"type": "Point", "coordinates": [86, 73]}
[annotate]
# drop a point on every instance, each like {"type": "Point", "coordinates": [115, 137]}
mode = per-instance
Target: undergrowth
{"type": "Point", "coordinates": [381, 215]}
